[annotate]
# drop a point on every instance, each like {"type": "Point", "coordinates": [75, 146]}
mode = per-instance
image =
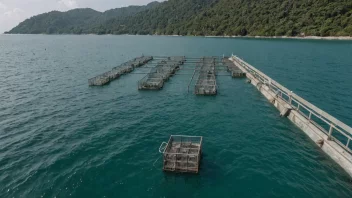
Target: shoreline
{"type": "Point", "coordinates": [342, 38]}
{"type": "Point", "coordinates": [288, 37]}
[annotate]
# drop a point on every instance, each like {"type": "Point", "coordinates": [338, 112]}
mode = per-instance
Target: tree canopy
{"type": "Point", "coordinates": [203, 17]}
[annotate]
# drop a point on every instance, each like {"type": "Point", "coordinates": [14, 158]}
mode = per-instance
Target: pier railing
{"type": "Point", "coordinates": [336, 130]}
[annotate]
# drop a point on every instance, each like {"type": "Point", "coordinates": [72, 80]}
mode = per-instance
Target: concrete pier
{"type": "Point", "coordinates": [116, 72]}
{"type": "Point", "coordinates": [328, 133]}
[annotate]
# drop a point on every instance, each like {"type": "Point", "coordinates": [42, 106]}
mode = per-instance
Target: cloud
{"type": "Point", "coordinates": [3, 7]}
{"type": "Point", "coordinates": [14, 13]}
{"type": "Point", "coordinates": [70, 4]}
{"type": "Point", "coordinates": [9, 16]}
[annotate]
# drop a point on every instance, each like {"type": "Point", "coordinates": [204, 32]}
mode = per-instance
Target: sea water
{"type": "Point", "coordinates": [61, 138]}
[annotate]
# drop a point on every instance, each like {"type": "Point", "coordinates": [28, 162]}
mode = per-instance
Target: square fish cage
{"type": "Point", "coordinates": [152, 81]}
{"type": "Point", "coordinates": [182, 153]}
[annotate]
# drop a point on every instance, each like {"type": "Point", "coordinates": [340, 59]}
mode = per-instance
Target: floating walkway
{"type": "Point", "coordinates": [235, 71]}
{"type": "Point", "coordinates": [158, 75]}
{"type": "Point", "coordinates": [331, 135]}
{"type": "Point", "coordinates": [118, 71]}
{"type": "Point", "coordinates": [206, 83]}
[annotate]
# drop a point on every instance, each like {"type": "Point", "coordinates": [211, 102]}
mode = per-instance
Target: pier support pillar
{"type": "Point", "coordinates": [286, 111]}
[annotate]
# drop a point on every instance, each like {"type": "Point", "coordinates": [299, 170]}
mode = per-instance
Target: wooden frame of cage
{"type": "Point", "coordinates": [181, 156]}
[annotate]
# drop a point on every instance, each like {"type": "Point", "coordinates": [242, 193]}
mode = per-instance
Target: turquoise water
{"type": "Point", "coordinates": [61, 138]}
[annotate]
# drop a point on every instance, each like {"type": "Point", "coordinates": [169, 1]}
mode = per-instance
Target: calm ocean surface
{"type": "Point", "coordinates": [61, 138]}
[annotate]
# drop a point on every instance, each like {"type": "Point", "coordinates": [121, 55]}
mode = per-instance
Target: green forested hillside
{"type": "Point", "coordinates": [168, 18]}
{"type": "Point", "coordinates": [57, 22]}
{"type": "Point", "coordinates": [276, 18]}
{"type": "Point", "coordinates": [204, 17]}
{"type": "Point", "coordinates": [77, 21]}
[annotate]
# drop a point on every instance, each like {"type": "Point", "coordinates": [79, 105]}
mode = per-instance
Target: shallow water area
{"type": "Point", "coordinates": [60, 138]}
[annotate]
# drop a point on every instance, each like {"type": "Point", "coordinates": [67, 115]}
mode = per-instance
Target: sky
{"type": "Point", "coordinates": [12, 12]}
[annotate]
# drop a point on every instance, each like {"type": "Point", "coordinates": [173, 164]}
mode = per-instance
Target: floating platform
{"type": "Point", "coordinates": [158, 75]}
{"type": "Point", "coordinates": [235, 71]}
{"type": "Point", "coordinates": [116, 72]}
{"type": "Point", "coordinates": [206, 83]}
{"type": "Point", "coordinates": [182, 154]}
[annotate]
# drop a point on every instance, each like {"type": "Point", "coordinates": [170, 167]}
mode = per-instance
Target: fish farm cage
{"type": "Point", "coordinates": [118, 71]}
{"type": "Point", "coordinates": [204, 72]}
{"type": "Point", "coordinates": [235, 71]}
{"type": "Point", "coordinates": [152, 81]}
{"type": "Point", "coordinates": [182, 153]}
{"type": "Point", "coordinates": [206, 83]}
{"type": "Point", "coordinates": [158, 75]}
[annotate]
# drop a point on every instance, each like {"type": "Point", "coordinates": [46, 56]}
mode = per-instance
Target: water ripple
{"type": "Point", "coordinates": [60, 138]}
